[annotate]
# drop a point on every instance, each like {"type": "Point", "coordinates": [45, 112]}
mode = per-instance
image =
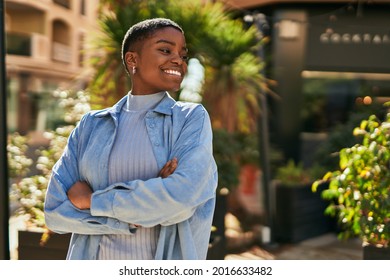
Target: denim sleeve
{"type": "Point", "coordinates": [60, 214]}
{"type": "Point", "coordinates": [173, 199]}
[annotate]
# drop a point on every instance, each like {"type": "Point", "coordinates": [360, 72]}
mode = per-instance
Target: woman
{"type": "Point", "coordinates": [138, 180]}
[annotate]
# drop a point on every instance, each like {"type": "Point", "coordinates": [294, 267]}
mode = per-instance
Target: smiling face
{"type": "Point", "coordinates": [160, 61]}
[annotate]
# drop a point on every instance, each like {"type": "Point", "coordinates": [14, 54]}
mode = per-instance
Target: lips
{"type": "Point", "coordinates": [173, 72]}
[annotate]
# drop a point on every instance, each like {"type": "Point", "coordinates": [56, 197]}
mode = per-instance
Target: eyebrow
{"type": "Point", "coordinates": [170, 43]}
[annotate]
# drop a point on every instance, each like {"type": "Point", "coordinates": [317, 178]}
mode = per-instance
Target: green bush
{"type": "Point", "coordinates": [292, 174]}
{"type": "Point", "coordinates": [18, 162]}
{"type": "Point", "coordinates": [359, 190]}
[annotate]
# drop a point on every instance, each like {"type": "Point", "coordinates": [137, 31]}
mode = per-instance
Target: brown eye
{"type": "Point", "coordinates": [165, 51]}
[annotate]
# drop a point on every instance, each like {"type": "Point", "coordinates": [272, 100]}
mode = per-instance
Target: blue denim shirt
{"type": "Point", "coordinates": [183, 203]}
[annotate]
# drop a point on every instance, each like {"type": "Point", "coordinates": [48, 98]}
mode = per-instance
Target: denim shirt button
{"type": "Point", "coordinates": [156, 144]}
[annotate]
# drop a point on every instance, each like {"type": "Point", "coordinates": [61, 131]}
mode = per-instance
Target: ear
{"type": "Point", "coordinates": [131, 59]}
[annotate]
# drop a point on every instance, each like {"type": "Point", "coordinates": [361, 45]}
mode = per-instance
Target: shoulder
{"type": "Point", "coordinates": [107, 112]}
{"type": "Point", "coordinates": [92, 118]}
{"type": "Point", "coordinates": [192, 116]}
{"type": "Point", "coordinates": [187, 109]}
{"type": "Point", "coordinates": [92, 115]}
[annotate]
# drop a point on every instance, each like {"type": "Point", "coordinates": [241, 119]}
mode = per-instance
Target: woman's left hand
{"type": "Point", "coordinates": [168, 168]}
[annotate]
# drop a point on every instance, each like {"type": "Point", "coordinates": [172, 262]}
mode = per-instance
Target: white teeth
{"type": "Point", "coordinates": [173, 72]}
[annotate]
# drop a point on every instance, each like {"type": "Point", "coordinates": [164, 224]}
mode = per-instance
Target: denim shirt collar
{"type": "Point", "coordinates": [164, 107]}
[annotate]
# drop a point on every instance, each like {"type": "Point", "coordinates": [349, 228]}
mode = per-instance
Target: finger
{"type": "Point", "coordinates": [165, 167]}
{"type": "Point", "coordinates": [163, 172]}
{"type": "Point", "coordinates": [173, 166]}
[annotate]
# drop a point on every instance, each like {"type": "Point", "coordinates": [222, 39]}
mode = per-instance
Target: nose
{"type": "Point", "coordinates": [177, 59]}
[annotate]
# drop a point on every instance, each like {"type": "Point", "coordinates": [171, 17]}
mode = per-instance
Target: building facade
{"type": "Point", "coordinates": [330, 61]}
{"type": "Point", "coordinates": [45, 50]}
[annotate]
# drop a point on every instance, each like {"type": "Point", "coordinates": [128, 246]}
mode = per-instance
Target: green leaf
{"type": "Point", "coordinates": [343, 159]}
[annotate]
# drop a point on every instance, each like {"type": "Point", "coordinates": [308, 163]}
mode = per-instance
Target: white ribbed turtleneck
{"type": "Point", "coordinates": [132, 158]}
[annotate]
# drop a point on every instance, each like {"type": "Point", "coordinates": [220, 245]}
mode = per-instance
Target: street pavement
{"type": "Point", "coordinates": [323, 247]}
{"type": "Point", "coordinates": [248, 245]}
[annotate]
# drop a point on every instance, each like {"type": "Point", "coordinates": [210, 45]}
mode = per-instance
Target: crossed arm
{"type": "Point", "coordinates": [80, 193]}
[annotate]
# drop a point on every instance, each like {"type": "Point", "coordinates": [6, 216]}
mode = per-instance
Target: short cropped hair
{"type": "Point", "coordinates": [143, 30]}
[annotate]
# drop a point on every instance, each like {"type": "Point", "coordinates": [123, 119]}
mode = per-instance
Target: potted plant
{"type": "Point", "coordinates": [359, 190]}
{"type": "Point", "coordinates": [298, 213]}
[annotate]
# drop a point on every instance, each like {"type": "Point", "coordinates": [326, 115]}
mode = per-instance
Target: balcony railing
{"type": "Point", "coordinates": [61, 52]}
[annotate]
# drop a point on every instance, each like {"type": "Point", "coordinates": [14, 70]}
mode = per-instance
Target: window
{"type": "Point", "coordinates": [63, 3]}
{"type": "Point", "coordinates": [332, 101]}
{"type": "Point", "coordinates": [81, 49]}
{"type": "Point", "coordinates": [82, 7]}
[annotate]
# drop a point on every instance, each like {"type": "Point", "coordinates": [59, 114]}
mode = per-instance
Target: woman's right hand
{"type": "Point", "coordinates": [168, 168]}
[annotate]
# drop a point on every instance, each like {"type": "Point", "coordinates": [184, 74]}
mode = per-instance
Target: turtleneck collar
{"type": "Point", "coordinates": [143, 102]}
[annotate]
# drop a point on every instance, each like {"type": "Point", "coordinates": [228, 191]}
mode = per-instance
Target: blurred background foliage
{"type": "Point", "coordinates": [29, 178]}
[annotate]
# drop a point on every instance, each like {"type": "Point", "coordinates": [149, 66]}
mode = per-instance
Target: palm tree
{"type": "Point", "coordinates": [234, 77]}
